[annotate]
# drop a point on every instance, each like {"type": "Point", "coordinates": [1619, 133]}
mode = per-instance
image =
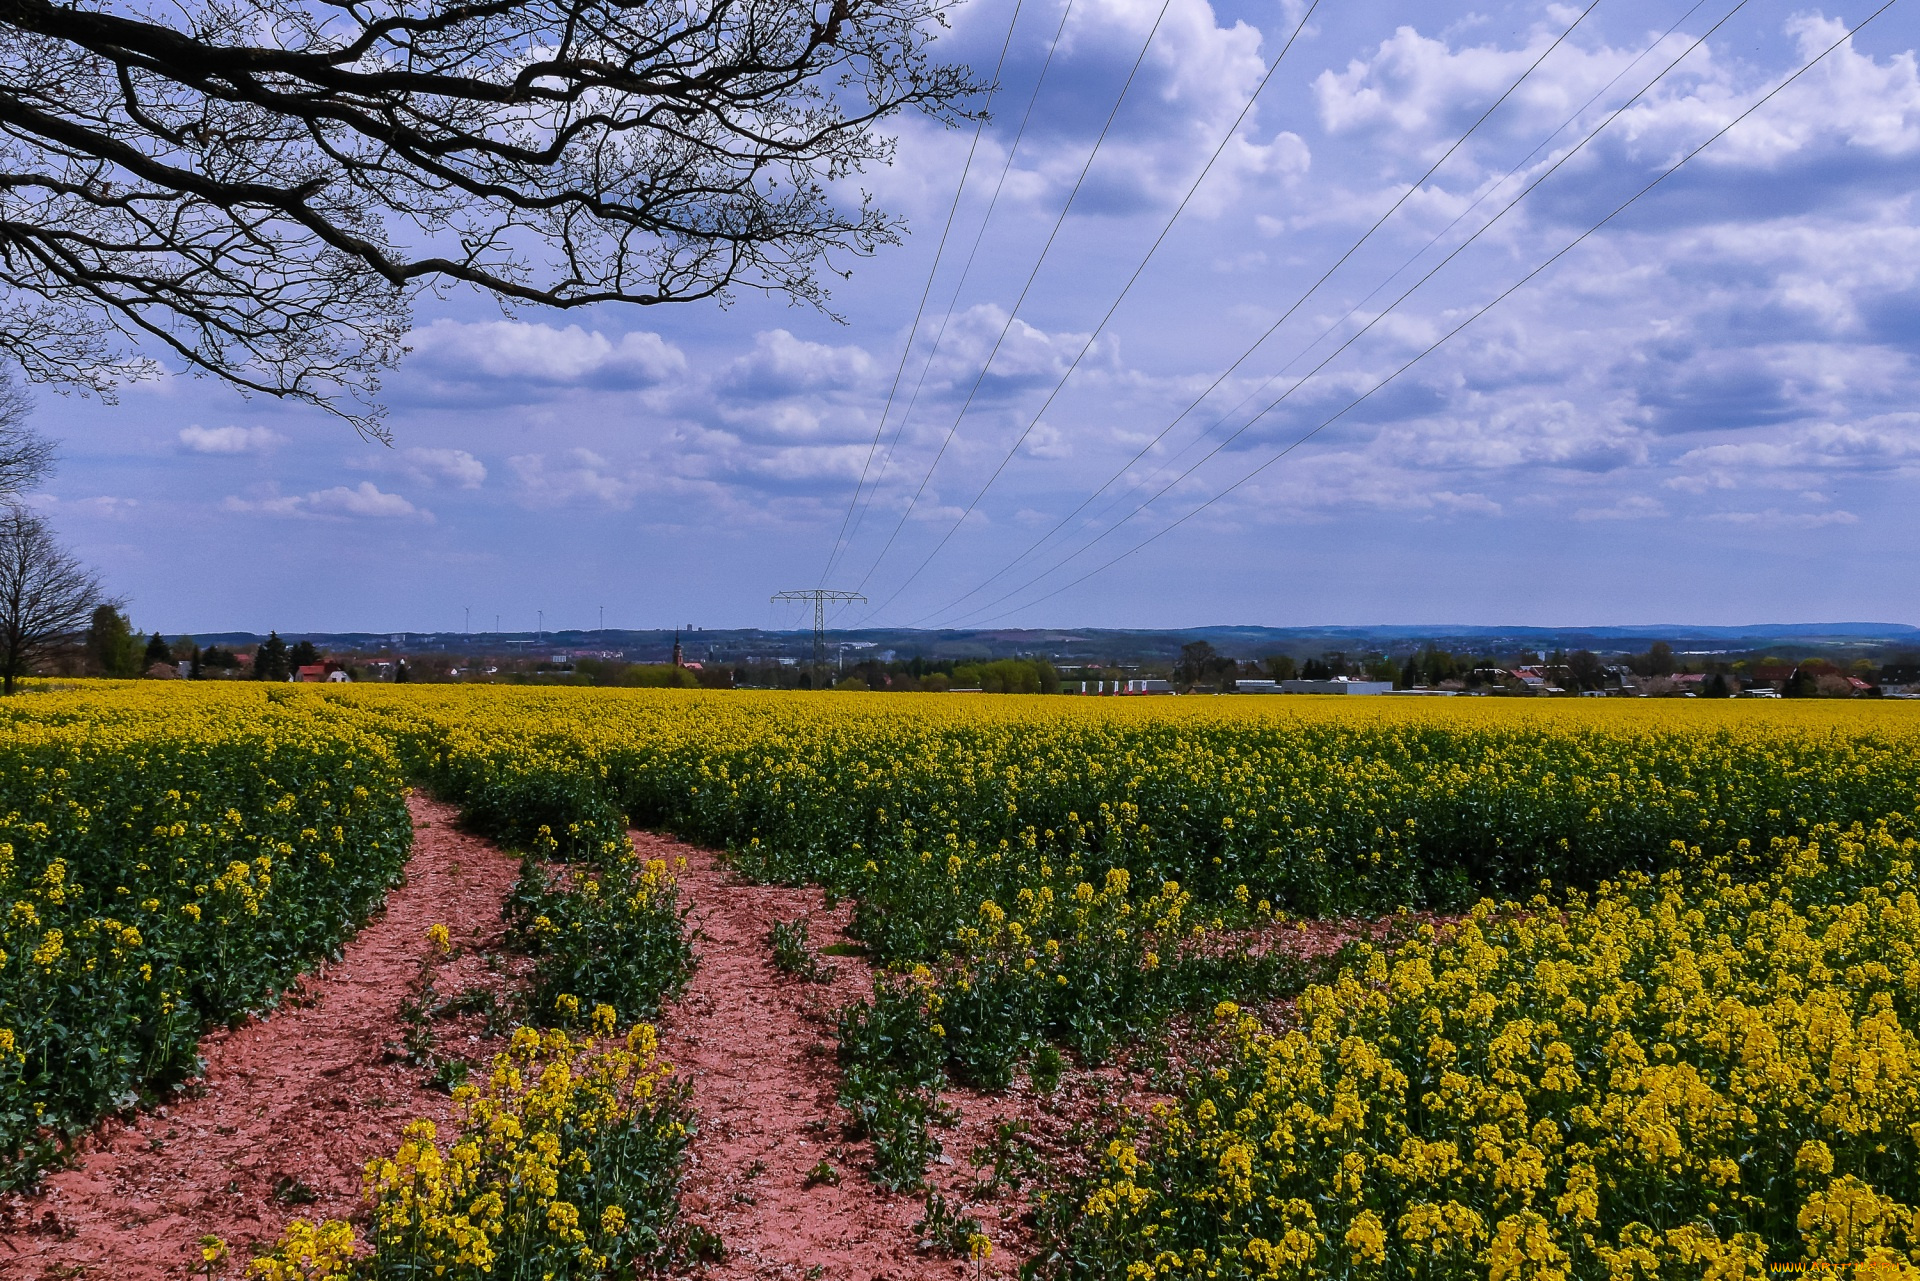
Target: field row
{"type": "Point", "coordinates": [1672, 1038]}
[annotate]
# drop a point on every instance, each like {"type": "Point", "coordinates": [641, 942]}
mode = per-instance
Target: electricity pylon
{"type": "Point", "coordinates": [820, 596]}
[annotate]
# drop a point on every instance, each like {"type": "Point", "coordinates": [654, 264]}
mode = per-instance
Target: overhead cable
{"type": "Point", "coordinates": [959, 283]}
{"type": "Point", "coordinates": [1024, 289]}
{"type": "Point", "coordinates": [1113, 307]}
{"type": "Point", "coordinates": [1284, 317]}
{"type": "Point", "coordinates": [932, 271]}
{"type": "Point", "coordinates": [1475, 315]}
{"type": "Point", "coordinates": [1331, 327]}
{"type": "Point", "coordinates": [1389, 309]}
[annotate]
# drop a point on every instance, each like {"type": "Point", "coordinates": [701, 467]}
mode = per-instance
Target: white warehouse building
{"type": "Point", "coordinates": [1338, 685]}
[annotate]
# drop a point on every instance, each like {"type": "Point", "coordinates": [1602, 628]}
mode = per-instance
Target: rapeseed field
{"type": "Point", "coordinates": [1661, 1024]}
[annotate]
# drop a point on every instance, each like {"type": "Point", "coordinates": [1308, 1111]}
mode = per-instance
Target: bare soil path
{"type": "Point", "coordinates": [299, 1101]}
{"type": "Point", "coordinates": [292, 1107]}
{"type": "Point", "coordinates": [758, 1048]}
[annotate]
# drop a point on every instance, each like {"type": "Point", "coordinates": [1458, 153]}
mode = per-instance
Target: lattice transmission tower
{"type": "Point", "coordinates": [820, 596]}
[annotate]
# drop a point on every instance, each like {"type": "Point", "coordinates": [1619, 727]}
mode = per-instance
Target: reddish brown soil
{"type": "Point", "coordinates": [309, 1094]}
{"type": "Point", "coordinates": [314, 1092]}
{"type": "Point", "coordinates": [757, 1047]}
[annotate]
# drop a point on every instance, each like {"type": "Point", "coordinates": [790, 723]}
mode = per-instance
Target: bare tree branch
{"type": "Point", "coordinates": [26, 457]}
{"type": "Point", "coordinates": [262, 186]}
{"type": "Point", "coordinates": [46, 596]}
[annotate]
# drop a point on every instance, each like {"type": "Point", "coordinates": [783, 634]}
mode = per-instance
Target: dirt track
{"type": "Point", "coordinates": [758, 1049]}
{"type": "Point", "coordinates": [308, 1096]}
{"type": "Point", "coordinates": [297, 1103]}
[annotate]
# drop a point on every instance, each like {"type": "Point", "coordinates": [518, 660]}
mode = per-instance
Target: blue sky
{"type": "Point", "coordinates": [1705, 412]}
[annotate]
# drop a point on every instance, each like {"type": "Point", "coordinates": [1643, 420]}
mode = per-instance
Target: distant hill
{"type": "Point", "coordinates": [1079, 645]}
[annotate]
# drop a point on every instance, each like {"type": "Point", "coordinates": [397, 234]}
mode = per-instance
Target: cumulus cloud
{"type": "Point", "coordinates": [1632, 507]}
{"type": "Point", "coordinates": [1196, 79]}
{"type": "Point", "coordinates": [454, 467]}
{"type": "Point", "coordinates": [451, 466]}
{"type": "Point", "coordinates": [1850, 99]}
{"type": "Point", "coordinates": [1197, 76]}
{"type": "Point", "coordinates": [229, 440]}
{"type": "Point", "coordinates": [1745, 329]}
{"type": "Point", "coordinates": [515, 351]}
{"type": "Point", "coordinates": [579, 476]}
{"type": "Point", "coordinates": [1027, 356]}
{"type": "Point", "coordinates": [781, 365]}
{"type": "Point", "coordinates": [1883, 445]}
{"type": "Point", "coordinates": [1413, 96]}
{"type": "Point", "coordinates": [341, 502]}
{"type": "Point", "coordinates": [1520, 431]}
{"type": "Point", "coordinates": [799, 465]}
{"type": "Point", "coordinates": [1047, 441]}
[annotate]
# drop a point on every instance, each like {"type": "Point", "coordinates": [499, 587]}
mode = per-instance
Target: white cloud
{"type": "Point", "coordinates": [509, 350]}
{"type": "Point", "coordinates": [1026, 354]}
{"type": "Point", "coordinates": [1849, 98]}
{"type": "Point", "coordinates": [455, 466]}
{"type": "Point", "coordinates": [1425, 88]}
{"type": "Point", "coordinates": [1633, 507]}
{"type": "Point", "coordinates": [229, 440]}
{"type": "Point", "coordinates": [1774, 518]}
{"type": "Point", "coordinates": [1789, 459]}
{"type": "Point", "coordinates": [835, 462]}
{"type": "Point", "coordinates": [1047, 441]}
{"type": "Point", "coordinates": [579, 476]}
{"type": "Point", "coordinates": [1197, 78]}
{"type": "Point", "coordinates": [341, 502]}
{"type": "Point", "coordinates": [1517, 430]}
{"type": "Point", "coordinates": [782, 365]}
{"type": "Point", "coordinates": [429, 466]}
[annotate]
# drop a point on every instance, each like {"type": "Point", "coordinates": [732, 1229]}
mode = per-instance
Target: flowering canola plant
{"type": "Point", "coordinates": [965, 829]}
{"type": "Point", "coordinates": [1676, 1076]}
{"type": "Point", "coordinates": [1694, 1061]}
{"type": "Point", "coordinates": [167, 862]}
{"type": "Point", "coordinates": [565, 1165]}
{"type": "Point", "coordinates": [923, 806]}
{"type": "Point", "coordinates": [608, 928]}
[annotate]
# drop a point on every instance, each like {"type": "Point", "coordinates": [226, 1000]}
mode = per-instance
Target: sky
{"type": "Point", "coordinates": [1704, 410]}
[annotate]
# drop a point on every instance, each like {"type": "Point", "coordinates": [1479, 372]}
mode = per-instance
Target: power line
{"type": "Point", "coordinates": [1100, 328]}
{"type": "Point", "coordinates": [1285, 316]}
{"type": "Point", "coordinates": [934, 270]}
{"type": "Point", "coordinates": [1382, 315]}
{"type": "Point", "coordinates": [1015, 311]}
{"type": "Point", "coordinates": [1476, 314]}
{"type": "Point", "coordinates": [1318, 338]}
{"type": "Point", "coordinates": [966, 270]}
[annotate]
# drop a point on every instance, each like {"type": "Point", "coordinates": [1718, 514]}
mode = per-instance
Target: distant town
{"type": "Point", "coordinates": [1841, 661]}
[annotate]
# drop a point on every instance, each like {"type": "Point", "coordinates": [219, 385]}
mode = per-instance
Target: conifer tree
{"type": "Point", "coordinates": [270, 660]}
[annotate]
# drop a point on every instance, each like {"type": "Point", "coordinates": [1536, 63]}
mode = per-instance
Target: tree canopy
{"type": "Point", "coordinates": [261, 187]}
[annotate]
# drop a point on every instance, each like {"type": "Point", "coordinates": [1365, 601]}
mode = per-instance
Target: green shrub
{"type": "Point", "coordinates": [604, 932]}
{"type": "Point", "coordinates": [793, 952]}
